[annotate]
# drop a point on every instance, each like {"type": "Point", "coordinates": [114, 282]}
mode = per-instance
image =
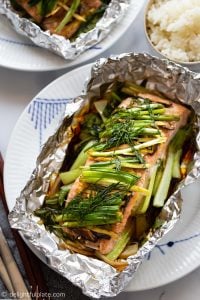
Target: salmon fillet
{"type": "Point", "coordinates": [31, 10]}
{"type": "Point", "coordinates": [105, 245]}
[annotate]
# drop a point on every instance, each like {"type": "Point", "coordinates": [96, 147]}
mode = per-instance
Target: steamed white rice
{"type": "Point", "coordinates": [174, 28]}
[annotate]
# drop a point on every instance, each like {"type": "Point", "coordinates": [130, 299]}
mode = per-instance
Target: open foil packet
{"type": "Point", "coordinates": [59, 44]}
{"type": "Point", "coordinates": [95, 277]}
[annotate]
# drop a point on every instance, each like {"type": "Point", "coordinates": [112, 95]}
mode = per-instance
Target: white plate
{"type": "Point", "coordinates": [177, 253]}
{"type": "Point", "coordinates": [17, 52]}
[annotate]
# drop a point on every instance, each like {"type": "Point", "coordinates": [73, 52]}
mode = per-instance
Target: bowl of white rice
{"type": "Point", "coordinates": [173, 29]}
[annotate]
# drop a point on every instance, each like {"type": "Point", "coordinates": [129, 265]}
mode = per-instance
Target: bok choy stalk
{"type": "Point", "coordinates": [175, 145]}
{"type": "Point", "coordinates": [147, 199]}
{"type": "Point", "coordinates": [121, 243]}
{"type": "Point", "coordinates": [75, 171]}
{"type": "Point", "coordinates": [100, 106]}
{"type": "Point", "coordinates": [176, 173]}
{"type": "Point", "coordinates": [70, 176]}
{"type": "Point", "coordinates": [159, 174]}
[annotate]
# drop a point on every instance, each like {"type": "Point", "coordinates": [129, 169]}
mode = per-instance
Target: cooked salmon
{"type": "Point", "coordinates": [31, 10]}
{"type": "Point", "coordinates": [135, 201]}
{"type": "Point", "coordinates": [106, 245]}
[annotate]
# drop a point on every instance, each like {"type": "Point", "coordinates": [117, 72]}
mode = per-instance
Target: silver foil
{"type": "Point", "coordinates": [58, 44]}
{"type": "Point", "coordinates": [95, 277]}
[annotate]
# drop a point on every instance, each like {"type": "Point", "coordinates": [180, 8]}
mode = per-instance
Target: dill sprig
{"type": "Point", "coordinates": [122, 132]}
{"type": "Point", "coordinates": [125, 127]}
{"type": "Point", "coordinates": [81, 207]}
{"type": "Point", "coordinates": [99, 206]}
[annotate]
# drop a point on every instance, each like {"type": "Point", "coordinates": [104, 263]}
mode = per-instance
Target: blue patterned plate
{"type": "Point", "coordinates": [176, 254]}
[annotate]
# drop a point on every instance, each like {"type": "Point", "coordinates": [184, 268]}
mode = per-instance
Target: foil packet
{"type": "Point", "coordinates": [95, 277]}
{"type": "Point", "coordinates": [59, 44]}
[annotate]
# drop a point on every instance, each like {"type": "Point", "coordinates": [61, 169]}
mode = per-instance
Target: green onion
{"type": "Point", "coordinates": [159, 118]}
{"type": "Point", "coordinates": [101, 206]}
{"type": "Point", "coordinates": [100, 106]}
{"type": "Point", "coordinates": [63, 192]}
{"type": "Point", "coordinates": [136, 128]}
{"type": "Point", "coordinates": [82, 157]}
{"type": "Point", "coordinates": [163, 188]}
{"type": "Point", "coordinates": [121, 243]}
{"type": "Point", "coordinates": [108, 176]}
{"type": "Point", "coordinates": [147, 199]}
{"type": "Point", "coordinates": [123, 163]}
{"type": "Point", "coordinates": [133, 89]}
{"type": "Point", "coordinates": [176, 164]}
{"type": "Point", "coordinates": [153, 112]}
{"type": "Point", "coordinates": [158, 178]}
{"type": "Point", "coordinates": [68, 15]}
{"type": "Point", "coordinates": [100, 215]}
{"type": "Point", "coordinates": [147, 106]}
{"type": "Point", "coordinates": [137, 112]}
{"type": "Point", "coordinates": [116, 97]}
{"type": "Point", "coordinates": [91, 223]}
{"type": "Point", "coordinates": [175, 145]}
{"type": "Point", "coordinates": [75, 171]}
{"type": "Point", "coordinates": [128, 150]}
{"type": "Point", "coordinates": [51, 200]}
{"type": "Point", "coordinates": [70, 176]}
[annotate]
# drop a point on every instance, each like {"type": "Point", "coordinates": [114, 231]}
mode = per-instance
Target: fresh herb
{"type": "Point", "coordinates": [57, 199]}
{"type": "Point", "coordinates": [108, 176]}
{"type": "Point", "coordinates": [126, 126]}
{"type": "Point", "coordinates": [101, 206]}
{"type": "Point", "coordinates": [68, 16]}
{"type": "Point", "coordinates": [128, 150]}
{"type": "Point", "coordinates": [91, 21]}
{"type": "Point", "coordinates": [164, 185]}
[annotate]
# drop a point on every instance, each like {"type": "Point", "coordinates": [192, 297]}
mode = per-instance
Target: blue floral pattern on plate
{"type": "Point", "coordinates": [42, 111]}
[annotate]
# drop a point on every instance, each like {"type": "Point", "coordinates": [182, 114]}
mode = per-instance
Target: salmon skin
{"type": "Point", "coordinates": [104, 246]}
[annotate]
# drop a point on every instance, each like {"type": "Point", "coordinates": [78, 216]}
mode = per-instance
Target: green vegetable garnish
{"type": "Point", "coordinates": [68, 15]}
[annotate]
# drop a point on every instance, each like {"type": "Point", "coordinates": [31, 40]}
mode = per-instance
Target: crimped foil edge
{"type": "Point", "coordinates": [93, 276]}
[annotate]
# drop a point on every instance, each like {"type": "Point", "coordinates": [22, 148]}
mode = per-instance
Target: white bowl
{"type": "Point", "coordinates": [193, 65]}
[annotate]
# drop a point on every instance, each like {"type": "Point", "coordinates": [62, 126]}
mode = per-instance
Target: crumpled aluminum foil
{"type": "Point", "coordinates": [59, 44]}
{"type": "Point", "coordinates": [95, 277]}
